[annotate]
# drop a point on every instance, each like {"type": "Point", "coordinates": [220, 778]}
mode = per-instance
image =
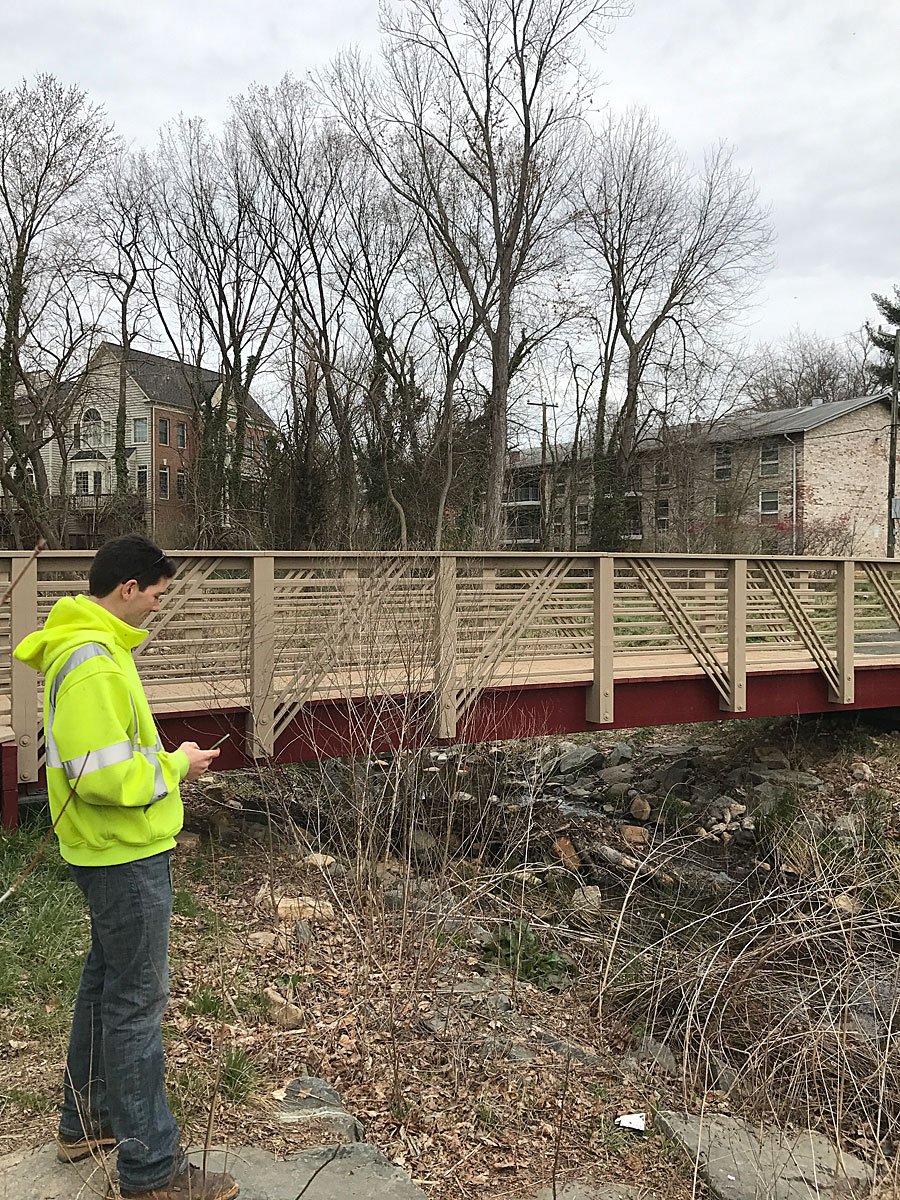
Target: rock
{"type": "Point", "coordinates": [187, 841]}
{"type": "Point", "coordinates": [338, 870]}
{"type": "Point", "coordinates": [623, 773]}
{"type": "Point", "coordinates": [321, 861]}
{"type": "Point", "coordinates": [635, 835]}
{"type": "Point", "coordinates": [567, 1049]}
{"type": "Point", "coordinates": [517, 1052]}
{"type": "Point", "coordinates": [304, 908]}
{"type": "Point", "coordinates": [650, 1050]}
{"type": "Point", "coordinates": [588, 900]}
{"type": "Point", "coordinates": [620, 753]}
{"type": "Point", "coordinates": [797, 779]}
{"type": "Point", "coordinates": [311, 1099]}
{"type": "Point", "coordinates": [356, 1171]}
{"type": "Point", "coordinates": [262, 941]}
{"type": "Point", "coordinates": [772, 757]}
{"type": "Point", "coordinates": [282, 1012]}
{"type": "Point", "coordinates": [863, 772]}
{"type": "Point", "coordinates": [846, 903]}
{"type": "Point", "coordinates": [675, 776]}
{"type": "Point", "coordinates": [735, 1157]}
{"type": "Point", "coordinates": [580, 758]}
{"type": "Point", "coordinates": [640, 808]}
{"type": "Point", "coordinates": [566, 853]}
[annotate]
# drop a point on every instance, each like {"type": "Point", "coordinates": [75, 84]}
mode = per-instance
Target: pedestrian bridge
{"type": "Point", "coordinates": [298, 656]}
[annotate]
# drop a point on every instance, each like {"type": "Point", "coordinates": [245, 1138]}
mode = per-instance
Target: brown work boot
{"type": "Point", "coordinates": [72, 1150]}
{"type": "Point", "coordinates": [190, 1184]}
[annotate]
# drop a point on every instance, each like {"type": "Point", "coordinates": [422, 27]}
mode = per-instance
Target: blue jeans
{"type": "Point", "coordinates": [115, 1069]}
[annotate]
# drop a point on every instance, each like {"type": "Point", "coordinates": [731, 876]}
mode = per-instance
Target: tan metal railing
{"type": "Point", "coordinates": [269, 632]}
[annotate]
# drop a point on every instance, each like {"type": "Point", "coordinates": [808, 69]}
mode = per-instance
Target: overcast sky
{"type": "Point", "coordinates": [807, 92]}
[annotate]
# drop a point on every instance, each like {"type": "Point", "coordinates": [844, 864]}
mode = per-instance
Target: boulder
{"type": "Point", "coordinates": [741, 1162]}
{"type": "Point", "coordinates": [580, 758]}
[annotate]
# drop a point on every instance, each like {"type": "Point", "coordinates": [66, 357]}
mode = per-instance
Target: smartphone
{"type": "Point", "coordinates": [222, 739]}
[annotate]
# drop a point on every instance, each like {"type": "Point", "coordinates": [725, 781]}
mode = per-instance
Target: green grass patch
{"type": "Point", "coordinates": [239, 1075]}
{"type": "Point", "coordinates": [46, 932]}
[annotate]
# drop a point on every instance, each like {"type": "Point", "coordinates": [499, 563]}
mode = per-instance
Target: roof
{"type": "Point", "coordinates": [779, 421]}
{"type": "Point", "coordinates": [742, 426]}
{"type": "Point", "coordinates": [174, 384]}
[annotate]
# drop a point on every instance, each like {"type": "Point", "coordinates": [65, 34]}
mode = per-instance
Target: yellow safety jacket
{"type": "Point", "coordinates": [98, 730]}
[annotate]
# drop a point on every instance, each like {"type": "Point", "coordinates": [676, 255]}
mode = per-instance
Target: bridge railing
{"type": "Point", "coordinates": [269, 632]}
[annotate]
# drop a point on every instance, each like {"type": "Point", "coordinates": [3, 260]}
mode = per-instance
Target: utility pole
{"type": "Point", "coordinates": [892, 462]}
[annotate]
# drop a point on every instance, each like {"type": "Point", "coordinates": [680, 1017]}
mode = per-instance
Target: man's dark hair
{"type": "Point", "coordinates": [128, 557]}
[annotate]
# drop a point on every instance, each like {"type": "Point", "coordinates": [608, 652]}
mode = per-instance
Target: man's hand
{"type": "Point", "coordinates": [199, 759]}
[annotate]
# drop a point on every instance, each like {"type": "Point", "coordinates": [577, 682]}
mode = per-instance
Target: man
{"type": "Point", "coordinates": [114, 791]}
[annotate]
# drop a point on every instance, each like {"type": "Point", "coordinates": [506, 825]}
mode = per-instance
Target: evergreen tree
{"type": "Point", "coordinates": [884, 338]}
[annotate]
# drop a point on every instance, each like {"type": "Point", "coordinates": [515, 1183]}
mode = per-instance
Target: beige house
{"type": "Point", "coordinates": [811, 480]}
{"type": "Point", "coordinates": [162, 399]}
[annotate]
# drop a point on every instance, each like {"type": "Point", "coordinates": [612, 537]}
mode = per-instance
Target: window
{"type": "Point", "coordinates": [723, 462]}
{"type": "Point", "coordinates": [528, 492]}
{"type": "Point", "coordinates": [768, 507]}
{"type": "Point", "coordinates": [559, 526]}
{"type": "Point", "coordinates": [164, 431]}
{"type": "Point", "coordinates": [582, 520]}
{"type": "Point", "coordinates": [723, 505]}
{"type": "Point", "coordinates": [768, 459]}
{"type": "Point", "coordinates": [139, 429]}
{"type": "Point", "coordinates": [635, 479]}
{"type": "Point", "coordinates": [249, 447]}
{"type": "Point", "coordinates": [163, 483]}
{"type": "Point", "coordinates": [181, 483]}
{"type": "Point", "coordinates": [98, 483]}
{"type": "Point", "coordinates": [82, 483]}
{"type": "Point", "coordinates": [91, 427]}
{"type": "Point", "coordinates": [142, 473]}
{"type": "Point", "coordinates": [180, 435]}
{"type": "Point", "coordinates": [634, 527]}
{"type": "Point", "coordinates": [662, 515]}
{"type": "Point", "coordinates": [661, 474]}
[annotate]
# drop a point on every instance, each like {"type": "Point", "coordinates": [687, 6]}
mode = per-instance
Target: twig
{"type": "Point", "coordinates": [325, 1164]}
{"type": "Point", "coordinates": [42, 545]}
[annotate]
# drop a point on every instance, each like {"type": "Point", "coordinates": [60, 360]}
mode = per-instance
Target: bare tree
{"type": "Point", "coordinates": [120, 214]}
{"type": "Point", "coordinates": [473, 122]}
{"type": "Point", "coordinates": [804, 367]}
{"type": "Point", "coordinates": [52, 142]}
{"type": "Point", "coordinates": [678, 248]}
{"type": "Point", "coordinates": [214, 294]}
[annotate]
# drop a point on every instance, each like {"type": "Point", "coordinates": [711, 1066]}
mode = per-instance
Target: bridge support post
{"type": "Point", "coordinates": [599, 700]}
{"type": "Point", "coordinates": [737, 637]}
{"type": "Point", "coordinates": [23, 619]}
{"type": "Point", "coordinates": [261, 718]}
{"type": "Point", "coordinates": [445, 644]}
{"type": "Point", "coordinates": [845, 583]}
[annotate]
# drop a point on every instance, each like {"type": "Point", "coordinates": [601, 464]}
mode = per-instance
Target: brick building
{"type": "Point", "coordinates": [811, 480]}
{"type": "Point", "coordinates": [163, 399]}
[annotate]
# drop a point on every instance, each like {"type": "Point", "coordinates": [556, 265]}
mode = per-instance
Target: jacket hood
{"type": "Point", "coordinates": [73, 621]}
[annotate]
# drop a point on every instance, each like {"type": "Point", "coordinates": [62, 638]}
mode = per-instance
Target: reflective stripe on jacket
{"type": "Point", "coordinates": [100, 737]}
